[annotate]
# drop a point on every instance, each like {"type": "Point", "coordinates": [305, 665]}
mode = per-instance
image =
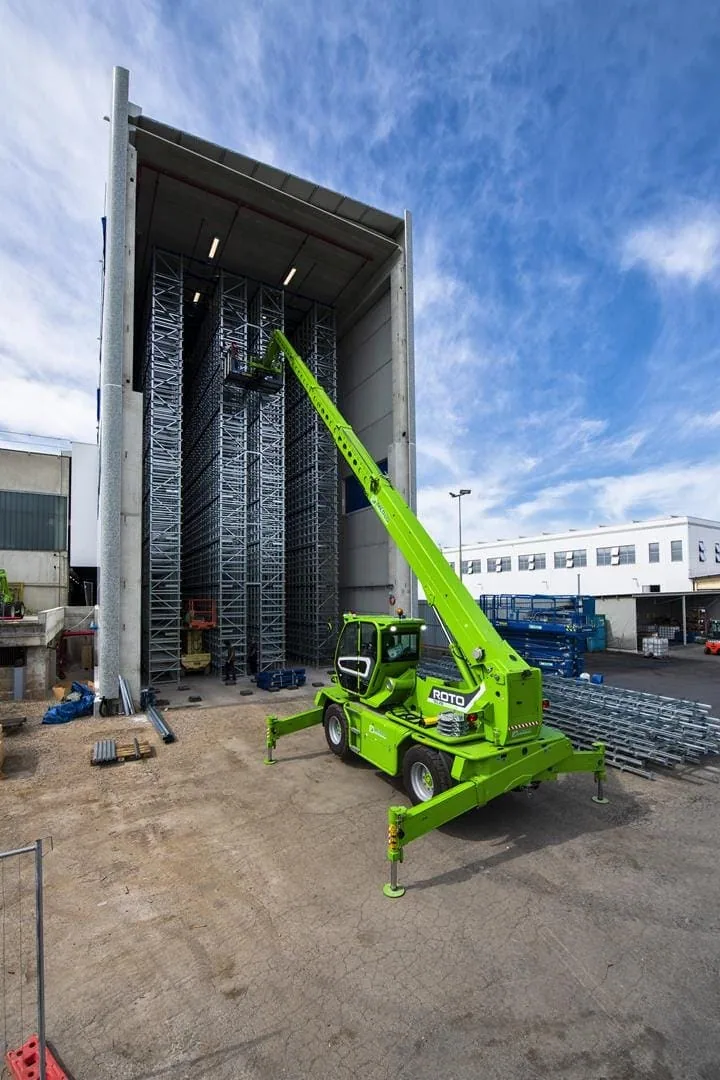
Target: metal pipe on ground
{"type": "Point", "coordinates": [157, 721]}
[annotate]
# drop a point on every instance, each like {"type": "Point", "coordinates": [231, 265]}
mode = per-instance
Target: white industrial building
{"type": "Point", "coordinates": [645, 574]}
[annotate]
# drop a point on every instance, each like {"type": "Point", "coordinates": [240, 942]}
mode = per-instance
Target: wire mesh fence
{"type": "Point", "coordinates": [22, 983]}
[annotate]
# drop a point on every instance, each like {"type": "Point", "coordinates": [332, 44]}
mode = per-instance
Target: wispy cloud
{"type": "Point", "coordinates": [687, 249]}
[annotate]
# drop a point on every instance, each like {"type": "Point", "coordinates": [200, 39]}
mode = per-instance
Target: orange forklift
{"type": "Point", "coordinates": [712, 644]}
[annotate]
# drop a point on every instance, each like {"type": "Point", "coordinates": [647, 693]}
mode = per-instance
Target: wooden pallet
{"type": "Point", "coordinates": [117, 752]}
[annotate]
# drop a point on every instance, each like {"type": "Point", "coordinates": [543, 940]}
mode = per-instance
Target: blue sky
{"type": "Point", "coordinates": [562, 165]}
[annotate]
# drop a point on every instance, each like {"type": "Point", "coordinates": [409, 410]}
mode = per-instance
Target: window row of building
{"type": "Point", "coordinates": [621, 555]}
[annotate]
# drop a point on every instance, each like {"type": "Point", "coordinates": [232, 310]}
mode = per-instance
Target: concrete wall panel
{"type": "Point", "coordinates": [621, 617]}
{"type": "Point", "coordinates": [83, 505]}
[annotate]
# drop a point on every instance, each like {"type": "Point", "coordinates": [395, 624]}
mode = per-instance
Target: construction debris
{"type": "Point", "coordinates": [12, 724]}
{"type": "Point", "coordinates": [639, 730]}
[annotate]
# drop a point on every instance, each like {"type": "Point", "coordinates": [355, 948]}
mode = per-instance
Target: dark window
{"type": "Point", "coordinates": [653, 553]}
{"type": "Point", "coordinates": [476, 565]}
{"type": "Point", "coordinates": [496, 566]}
{"type": "Point", "coordinates": [676, 553]}
{"type": "Point", "coordinates": [10, 655]}
{"type": "Point", "coordinates": [626, 555]}
{"type": "Point", "coordinates": [604, 556]}
{"type": "Point", "coordinates": [355, 498]}
{"type": "Point", "coordinates": [579, 557]}
{"type": "Point", "coordinates": [33, 522]}
{"type": "Point", "coordinates": [465, 566]}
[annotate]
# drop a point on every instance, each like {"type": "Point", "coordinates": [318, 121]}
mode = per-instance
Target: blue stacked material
{"type": "Point", "coordinates": [549, 632]}
{"type": "Point", "coordinates": [280, 679]}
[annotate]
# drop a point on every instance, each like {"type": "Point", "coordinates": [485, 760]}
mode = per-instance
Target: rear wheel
{"type": "Point", "coordinates": [336, 731]}
{"type": "Point", "coordinates": [425, 774]}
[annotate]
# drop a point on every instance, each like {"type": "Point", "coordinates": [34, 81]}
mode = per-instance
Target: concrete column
{"type": "Point", "coordinates": [111, 405]}
{"type": "Point", "coordinates": [402, 450]}
{"type": "Point", "coordinates": [131, 484]}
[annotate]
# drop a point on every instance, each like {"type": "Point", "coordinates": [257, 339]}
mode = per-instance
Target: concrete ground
{"type": "Point", "coordinates": [687, 673]}
{"type": "Point", "coordinates": [207, 915]}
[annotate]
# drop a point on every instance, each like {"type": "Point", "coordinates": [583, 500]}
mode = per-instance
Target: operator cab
{"type": "Point", "coordinates": [373, 647]}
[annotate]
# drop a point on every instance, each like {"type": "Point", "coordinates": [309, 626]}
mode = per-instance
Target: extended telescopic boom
{"type": "Point", "coordinates": [476, 647]}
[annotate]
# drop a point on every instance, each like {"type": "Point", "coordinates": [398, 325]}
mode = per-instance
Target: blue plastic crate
{"type": "Point", "coordinates": [280, 679]}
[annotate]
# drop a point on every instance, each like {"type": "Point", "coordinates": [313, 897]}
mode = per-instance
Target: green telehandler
{"type": "Point", "coordinates": [458, 742]}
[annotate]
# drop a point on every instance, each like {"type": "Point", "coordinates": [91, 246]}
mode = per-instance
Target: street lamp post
{"type": "Point", "coordinates": [458, 495]}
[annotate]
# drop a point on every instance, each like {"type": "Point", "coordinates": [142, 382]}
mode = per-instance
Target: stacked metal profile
{"type": "Point", "coordinates": [639, 730]}
{"type": "Point", "coordinates": [311, 499]}
{"type": "Point", "coordinates": [265, 519]}
{"type": "Point", "coordinates": [162, 431]}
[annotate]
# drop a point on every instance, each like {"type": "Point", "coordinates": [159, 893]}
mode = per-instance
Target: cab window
{"type": "Point", "coordinates": [398, 647]}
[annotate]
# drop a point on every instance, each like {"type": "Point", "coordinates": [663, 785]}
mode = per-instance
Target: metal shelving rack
{"type": "Point", "coordinates": [232, 607]}
{"type": "Point", "coordinates": [311, 484]}
{"type": "Point", "coordinates": [265, 494]}
{"type": "Point", "coordinates": [162, 433]}
{"type": "Point", "coordinates": [201, 552]}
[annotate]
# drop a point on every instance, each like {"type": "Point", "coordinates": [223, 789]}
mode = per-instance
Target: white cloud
{"type": "Point", "coordinates": [688, 249]}
{"type": "Point", "coordinates": [41, 408]}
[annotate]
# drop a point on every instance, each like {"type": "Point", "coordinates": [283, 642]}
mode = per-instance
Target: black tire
{"type": "Point", "coordinates": [708, 651]}
{"type": "Point", "coordinates": [418, 758]}
{"type": "Point", "coordinates": [336, 731]}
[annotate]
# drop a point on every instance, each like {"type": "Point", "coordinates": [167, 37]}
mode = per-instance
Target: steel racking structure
{"type": "Point", "coordinates": [265, 528]}
{"type": "Point", "coordinates": [162, 434]}
{"type": "Point", "coordinates": [311, 485]}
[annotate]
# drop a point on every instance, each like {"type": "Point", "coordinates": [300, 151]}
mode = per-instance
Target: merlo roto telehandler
{"type": "Point", "coordinates": [457, 742]}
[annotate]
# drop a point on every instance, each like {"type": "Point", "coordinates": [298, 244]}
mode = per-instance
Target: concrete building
{"type": "Point", "coordinates": [34, 514]}
{"type": "Point", "coordinates": [645, 574]}
{"type": "Point", "coordinates": [205, 488]}
{"type": "Point", "coordinates": [48, 548]}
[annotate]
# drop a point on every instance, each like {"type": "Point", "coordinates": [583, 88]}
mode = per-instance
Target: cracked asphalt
{"type": "Point", "coordinates": [209, 916]}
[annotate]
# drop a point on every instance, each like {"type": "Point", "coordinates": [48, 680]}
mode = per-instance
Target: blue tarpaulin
{"type": "Point", "coordinates": [70, 710]}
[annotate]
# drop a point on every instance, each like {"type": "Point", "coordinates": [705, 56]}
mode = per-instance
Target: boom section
{"type": "Point", "coordinates": [477, 648]}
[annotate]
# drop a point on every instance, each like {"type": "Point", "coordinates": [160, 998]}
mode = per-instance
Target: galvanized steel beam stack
{"type": "Point", "coordinates": [639, 730]}
{"type": "Point", "coordinates": [162, 431]}
{"type": "Point", "coordinates": [311, 484]}
{"type": "Point", "coordinates": [265, 494]}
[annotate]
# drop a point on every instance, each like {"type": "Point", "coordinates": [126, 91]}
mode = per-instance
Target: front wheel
{"type": "Point", "coordinates": [336, 732]}
{"type": "Point", "coordinates": [425, 774]}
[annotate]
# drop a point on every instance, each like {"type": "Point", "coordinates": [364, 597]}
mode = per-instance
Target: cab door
{"type": "Point", "coordinates": [357, 656]}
